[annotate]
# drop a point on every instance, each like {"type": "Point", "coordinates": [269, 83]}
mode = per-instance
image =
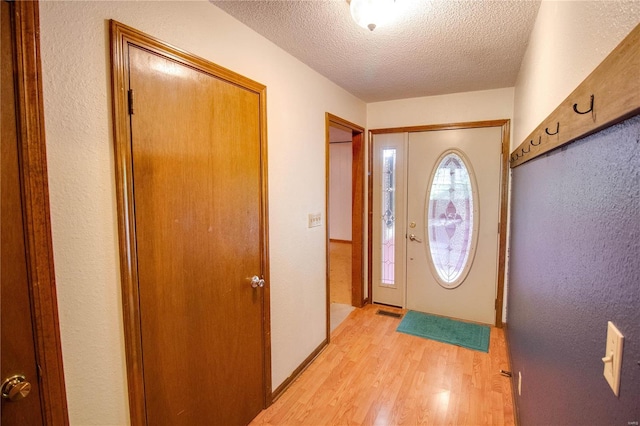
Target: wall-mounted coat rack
{"type": "Point", "coordinates": [611, 93]}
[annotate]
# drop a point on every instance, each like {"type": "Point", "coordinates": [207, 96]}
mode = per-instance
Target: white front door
{"type": "Point", "coordinates": [452, 262]}
{"type": "Point", "coordinates": [447, 265]}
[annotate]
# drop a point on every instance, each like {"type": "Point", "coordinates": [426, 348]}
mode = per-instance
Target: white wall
{"type": "Point", "coordinates": [340, 198]}
{"type": "Point", "coordinates": [454, 108]}
{"type": "Point", "coordinates": [75, 64]}
{"type": "Point", "coordinates": [568, 41]}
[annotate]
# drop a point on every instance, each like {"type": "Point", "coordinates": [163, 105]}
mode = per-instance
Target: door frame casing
{"type": "Point", "coordinates": [357, 213]}
{"type": "Point", "coordinates": [122, 36]}
{"type": "Point", "coordinates": [36, 211]}
{"type": "Point", "coordinates": [504, 124]}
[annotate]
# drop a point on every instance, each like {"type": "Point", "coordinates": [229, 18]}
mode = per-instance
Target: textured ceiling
{"type": "Point", "coordinates": [431, 47]}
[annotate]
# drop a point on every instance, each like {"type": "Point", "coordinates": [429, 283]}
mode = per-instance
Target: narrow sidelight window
{"type": "Point", "coordinates": [388, 223]}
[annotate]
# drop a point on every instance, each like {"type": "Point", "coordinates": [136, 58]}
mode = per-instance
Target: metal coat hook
{"type": "Point", "coordinates": [536, 144]}
{"type": "Point", "coordinates": [525, 152]}
{"type": "Point", "coordinates": [557, 127]}
{"type": "Point", "coordinates": [575, 108]}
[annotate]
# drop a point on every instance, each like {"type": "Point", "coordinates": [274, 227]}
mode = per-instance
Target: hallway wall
{"type": "Point", "coordinates": [77, 95]}
{"type": "Point", "coordinates": [574, 266]}
{"type": "Point", "coordinates": [569, 39]}
{"type": "Point", "coordinates": [575, 231]}
{"type": "Point", "coordinates": [340, 197]}
{"type": "Point", "coordinates": [453, 108]}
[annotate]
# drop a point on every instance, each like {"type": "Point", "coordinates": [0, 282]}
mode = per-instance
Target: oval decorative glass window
{"type": "Point", "coordinates": [452, 219]}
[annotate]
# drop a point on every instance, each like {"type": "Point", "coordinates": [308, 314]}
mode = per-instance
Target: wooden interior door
{"type": "Point", "coordinates": [30, 334]}
{"type": "Point", "coordinates": [18, 339]}
{"type": "Point", "coordinates": [200, 238]}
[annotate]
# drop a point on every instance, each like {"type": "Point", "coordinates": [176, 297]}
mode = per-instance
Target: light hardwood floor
{"type": "Point", "coordinates": [340, 272]}
{"type": "Point", "coordinates": [372, 375]}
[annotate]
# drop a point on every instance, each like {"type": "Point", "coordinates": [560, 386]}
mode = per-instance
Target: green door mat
{"type": "Point", "coordinates": [467, 335]}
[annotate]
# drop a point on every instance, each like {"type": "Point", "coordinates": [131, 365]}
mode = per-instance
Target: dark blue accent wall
{"type": "Point", "coordinates": [574, 265]}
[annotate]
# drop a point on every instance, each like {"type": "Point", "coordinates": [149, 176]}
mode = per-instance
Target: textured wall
{"type": "Point", "coordinates": [77, 95]}
{"type": "Point", "coordinates": [569, 39]}
{"type": "Point", "coordinates": [575, 250]}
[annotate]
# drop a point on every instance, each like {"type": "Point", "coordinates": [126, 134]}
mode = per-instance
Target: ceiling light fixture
{"type": "Point", "coordinates": [371, 13]}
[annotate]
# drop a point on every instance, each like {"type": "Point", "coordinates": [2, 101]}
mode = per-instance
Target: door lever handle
{"type": "Point", "coordinates": [412, 237]}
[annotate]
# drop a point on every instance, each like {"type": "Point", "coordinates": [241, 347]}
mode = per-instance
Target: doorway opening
{"type": "Point", "coordinates": [345, 219]}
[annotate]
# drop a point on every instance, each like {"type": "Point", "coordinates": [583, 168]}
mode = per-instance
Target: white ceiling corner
{"type": "Point", "coordinates": [432, 47]}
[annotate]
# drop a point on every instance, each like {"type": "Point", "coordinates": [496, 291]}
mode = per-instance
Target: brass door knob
{"type": "Point", "coordinates": [15, 388]}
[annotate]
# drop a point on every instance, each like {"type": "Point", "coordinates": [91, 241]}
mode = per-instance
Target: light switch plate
{"type": "Point", "coordinates": [315, 219]}
{"type": "Point", "coordinates": [613, 357]}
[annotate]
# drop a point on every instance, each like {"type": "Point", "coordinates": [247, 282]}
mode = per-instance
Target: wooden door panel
{"type": "Point", "coordinates": [197, 181]}
{"type": "Point", "coordinates": [18, 348]}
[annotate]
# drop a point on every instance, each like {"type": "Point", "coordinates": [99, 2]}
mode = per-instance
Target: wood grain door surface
{"type": "Point", "coordinates": [196, 161]}
{"type": "Point", "coordinates": [18, 340]}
